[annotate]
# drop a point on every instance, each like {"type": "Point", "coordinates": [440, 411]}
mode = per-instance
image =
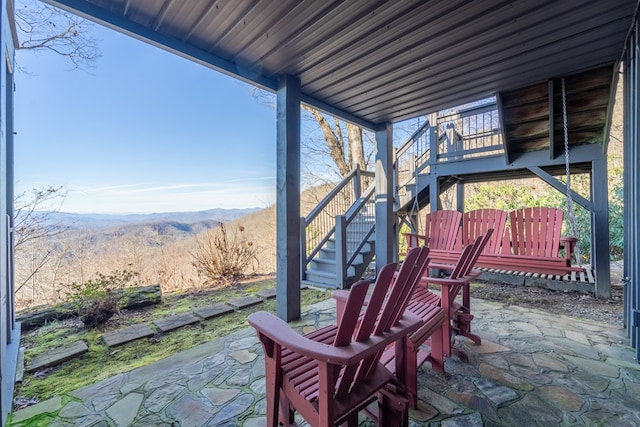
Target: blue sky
{"type": "Point", "coordinates": [145, 131]}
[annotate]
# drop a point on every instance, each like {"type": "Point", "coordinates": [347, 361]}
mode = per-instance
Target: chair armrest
{"type": "Point", "coordinates": [413, 240]}
{"type": "Point", "coordinates": [569, 244]}
{"type": "Point", "coordinates": [279, 332]}
{"type": "Point", "coordinates": [449, 292]}
{"type": "Point", "coordinates": [446, 282]}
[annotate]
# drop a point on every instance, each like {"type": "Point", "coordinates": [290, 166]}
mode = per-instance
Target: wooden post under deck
{"type": "Point", "coordinates": [385, 219]}
{"type": "Point", "coordinates": [288, 199]}
{"type": "Point", "coordinates": [600, 228]}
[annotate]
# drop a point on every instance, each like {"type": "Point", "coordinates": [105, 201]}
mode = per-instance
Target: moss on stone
{"type": "Point", "coordinates": [101, 362]}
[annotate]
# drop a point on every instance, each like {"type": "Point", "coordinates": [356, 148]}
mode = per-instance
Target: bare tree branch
{"type": "Point", "coordinates": [43, 27]}
{"type": "Point", "coordinates": [32, 215]}
{"type": "Point", "coordinates": [333, 139]}
{"type": "Point", "coordinates": [344, 155]}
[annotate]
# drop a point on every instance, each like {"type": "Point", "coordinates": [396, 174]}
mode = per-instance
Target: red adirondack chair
{"type": "Point", "coordinates": [440, 231]}
{"type": "Point", "coordinates": [455, 315]}
{"type": "Point", "coordinates": [331, 374]}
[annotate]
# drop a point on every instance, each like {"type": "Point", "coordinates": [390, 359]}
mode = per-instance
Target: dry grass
{"type": "Point", "coordinates": [164, 259]}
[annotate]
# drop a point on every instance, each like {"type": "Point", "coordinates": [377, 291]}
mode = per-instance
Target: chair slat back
{"type": "Point", "coordinates": [466, 262]}
{"type": "Point", "coordinates": [404, 284]}
{"type": "Point", "coordinates": [463, 262]}
{"type": "Point", "coordinates": [376, 302]}
{"type": "Point", "coordinates": [536, 231]}
{"type": "Point", "coordinates": [349, 321]}
{"type": "Point", "coordinates": [385, 307]}
{"type": "Point", "coordinates": [441, 229]}
{"type": "Point", "coordinates": [477, 222]}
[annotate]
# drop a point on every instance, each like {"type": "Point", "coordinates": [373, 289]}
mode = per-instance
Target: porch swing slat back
{"type": "Point", "coordinates": [477, 223]}
{"type": "Point", "coordinates": [536, 232]}
{"type": "Point", "coordinates": [440, 231]}
{"type": "Point", "coordinates": [530, 242]}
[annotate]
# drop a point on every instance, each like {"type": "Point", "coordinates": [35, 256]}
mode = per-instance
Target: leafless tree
{"type": "Point", "coordinates": [346, 144]}
{"type": "Point", "coordinates": [345, 153]}
{"type": "Point", "coordinates": [42, 27]}
{"type": "Point", "coordinates": [33, 214]}
{"type": "Point", "coordinates": [33, 226]}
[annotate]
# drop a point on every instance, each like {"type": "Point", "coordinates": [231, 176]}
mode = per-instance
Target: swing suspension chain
{"type": "Point", "coordinates": [572, 218]}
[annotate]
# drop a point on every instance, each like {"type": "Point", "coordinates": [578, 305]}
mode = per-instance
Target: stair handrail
{"type": "Point", "coordinates": [414, 146]}
{"type": "Point", "coordinates": [345, 254]}
{"type": "Point", "coordinates": [357, 178]}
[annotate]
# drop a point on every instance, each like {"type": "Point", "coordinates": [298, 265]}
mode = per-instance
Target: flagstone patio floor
{"type": "Point", "coordinates": [533, 368]}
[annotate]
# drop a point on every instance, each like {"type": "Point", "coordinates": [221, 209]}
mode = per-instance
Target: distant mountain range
{"type": "Point", "coordinates": [172, 219]}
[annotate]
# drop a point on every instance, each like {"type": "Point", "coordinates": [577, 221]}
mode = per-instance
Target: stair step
{"type": "Point", "coordinates": [324, 264]}
{"type": "Point", "coordinates": [313, 284]}
{"type": "Point", "coordinates": [367, 247]}
{"type": "Point", "coordinates": [327, 253]}
{"type": "Point", "coordinates": [321, 278]}
{"type": "Point", "coordinates": [329, 266]}
{"type": "Point", "coordinates": [329, 256]}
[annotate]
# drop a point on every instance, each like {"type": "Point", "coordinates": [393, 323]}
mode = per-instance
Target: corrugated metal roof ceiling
{"type": "Point", "coordinates": [381, 61]}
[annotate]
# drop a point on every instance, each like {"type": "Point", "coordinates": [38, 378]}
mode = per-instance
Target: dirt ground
{"type": "Point", "coordinates": [567, 303]}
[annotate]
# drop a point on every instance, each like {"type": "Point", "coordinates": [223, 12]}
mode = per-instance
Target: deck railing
{"type": "Point", "coordinates": [319, 226]}
{"type": "Point", "coordinates": [470, 132]}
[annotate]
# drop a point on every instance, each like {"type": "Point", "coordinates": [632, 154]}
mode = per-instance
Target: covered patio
{"type": "Point", "coordinates": [551, 371]}
{"type": "Point", "coordinates": [375, 63]}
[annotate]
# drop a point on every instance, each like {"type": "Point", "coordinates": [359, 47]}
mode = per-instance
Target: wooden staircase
{"type": "Point", "coordinates": [325, 268]}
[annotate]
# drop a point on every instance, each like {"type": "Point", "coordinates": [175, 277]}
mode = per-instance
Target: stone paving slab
{"type": "Point", "coordinates": [125, 410]}
{"type": "Point", "coordinates": [47, 407]}
{"type": "Point", "coordinates": [57, 355]}
{"type": "Point", "coordinates": [211, 311]}
{"type": "Point", "coordinates": [244, 302]}
{"type": "Point", "coordinates": [175, 321]}
{"type": "Point", "coordinates": [267, 293]}
{"type": "Point", "coordinates": [127, 334]}
{"type": "Point", "coordinates": [20, 365]}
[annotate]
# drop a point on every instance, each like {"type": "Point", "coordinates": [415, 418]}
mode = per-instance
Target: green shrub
{"type": "Point", "coordinates": [616, 214]}
{"type": "Point", "coordinates": [97, 300]}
